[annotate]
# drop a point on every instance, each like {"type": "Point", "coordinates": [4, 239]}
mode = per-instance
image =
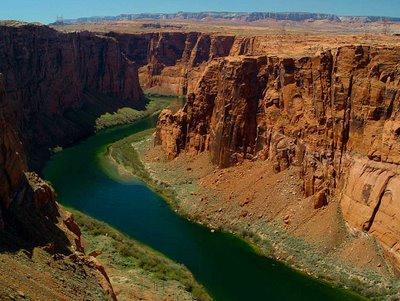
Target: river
{"type": "Point", "coordinates": [228, 268]}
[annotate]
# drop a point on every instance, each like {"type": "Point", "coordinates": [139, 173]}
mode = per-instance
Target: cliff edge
{"type": "Point", "coordinates": [334, 115]}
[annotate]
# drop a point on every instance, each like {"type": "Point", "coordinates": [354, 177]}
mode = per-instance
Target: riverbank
{"type": "Point", "coordinates": [227, 200]}
{"type": "Point", "coordinates": [126, 115]}
{"type": "Point", "coordinates": [136, 271]}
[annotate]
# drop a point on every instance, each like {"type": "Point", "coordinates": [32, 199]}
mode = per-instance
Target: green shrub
{"type": "Point", "coordinates": [125, 252]}
{"type": "Point", "coordinates": [129, 115]}
{"type": "Point", "coordinates": [56, 149]}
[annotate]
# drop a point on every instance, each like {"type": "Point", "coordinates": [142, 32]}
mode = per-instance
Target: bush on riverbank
{"type": "Point", "coordinates": [123, 253]}
{"type": "Point", "coordinates": [122, 116]}
{"type": "Point", "coordinates": [56, 149]}
{"type": "Point", "coordinates": [129, 115]}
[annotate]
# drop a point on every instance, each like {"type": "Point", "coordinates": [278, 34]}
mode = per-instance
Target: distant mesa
{"type": "Point", "coordinates": [232, 16]}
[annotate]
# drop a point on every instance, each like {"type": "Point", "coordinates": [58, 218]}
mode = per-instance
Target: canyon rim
{"type": "Point", "coordinates": [290, 131]}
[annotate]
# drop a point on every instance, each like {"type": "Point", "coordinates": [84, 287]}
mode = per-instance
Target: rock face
{"type": "Point", "coordinates": [52, 87]}
{"type": "Point", "coordinates": [53, 75]}
{"type": "Point", "coordinates": [371, 202]}
{"type": "Point", "coordinates": [49, 85]}
{"type": "Point", "coordinates": [336, 115]}
{"type": "Point", "coordinates": [12, 159]}
{"type": "Point", "coordinates": [171, 63]}
{"type": "Point", "coordinates": [174, 62]}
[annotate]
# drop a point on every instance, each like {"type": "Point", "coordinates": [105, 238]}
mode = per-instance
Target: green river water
{"type": "Point", "coordinates": [225, 265]}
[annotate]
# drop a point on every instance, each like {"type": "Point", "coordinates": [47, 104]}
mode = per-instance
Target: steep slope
{"type": "Point", "coordinates": [171, 63]}
{"type": "Point", "coordinates": [334, 115]}
{"type": "Point", "coordinates": [48, 79]}
{"type": "Point", "coordinates": [51, 75]}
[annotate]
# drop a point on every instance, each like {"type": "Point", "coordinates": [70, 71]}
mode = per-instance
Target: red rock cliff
{"type": "Point", "coordinates": [172, 63]}
{"type": "Point", "coordinates": [53, 75]}
{"type": "Point", "coordinates": [336, 115]}
{"type": "Point", "coordinates": [47, 79]}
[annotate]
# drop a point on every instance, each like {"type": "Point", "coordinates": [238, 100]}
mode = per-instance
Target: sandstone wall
{"type": "Point", "coordinates": [172, 63]}
{"type": "Point", "coordinates": [49, 75]}
{"type": "Point", "coordinates": [323, 113]}
{"type": "Point", "coordinates": [47, 79]}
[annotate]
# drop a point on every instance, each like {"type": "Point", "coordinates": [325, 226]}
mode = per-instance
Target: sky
{"type": "Point", "coordinates": [46, 11]}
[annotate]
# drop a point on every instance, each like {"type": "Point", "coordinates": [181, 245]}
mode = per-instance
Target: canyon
{"type": "Point", "coordinates": [334, 115]}
{"type": "Point", "coordinates": [325, 109]}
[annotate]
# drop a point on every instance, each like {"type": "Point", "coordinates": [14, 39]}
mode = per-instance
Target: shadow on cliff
{"type": "Point", "coordinates": [52, 238]}
{"type": "Point", "coordinates": [32, 219]}
{"type": "Point", "coordinates": [75, 124]}
{"type": "Point", "coordinates": [32, 232]}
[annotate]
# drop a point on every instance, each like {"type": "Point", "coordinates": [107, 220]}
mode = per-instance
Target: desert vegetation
{"type": "Point", "coordinates": [127, 115]}
{"type": "Point", "coordinates": [124, 257]}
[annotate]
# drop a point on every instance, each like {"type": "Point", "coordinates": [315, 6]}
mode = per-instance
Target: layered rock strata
{"type": "Point", "coordinates": [335, 115]}
{"type": "Point", "coordinates": [173, 62]}
{"type": "Point", "coordinates": [52, 87]}
{"type": "Point", "coordinates": [170, 62]}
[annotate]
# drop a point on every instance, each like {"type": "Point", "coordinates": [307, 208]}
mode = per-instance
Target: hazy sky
{"type": "Point", "coordinates": [47, 10]}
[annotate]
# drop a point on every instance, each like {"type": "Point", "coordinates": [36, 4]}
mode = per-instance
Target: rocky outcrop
{"type": "Point", "coordinates": [64, 78]}
{"type": "Point", "coordinates": [171, 63]}
{"type": "Point", "coordinates": [12, 158]}
{"type": "Point", "coordinates": [320, 113]}
{"type": "Point", "coordinates": [371, 202]}
{"type": "Point", "coordinates": [52, 87]}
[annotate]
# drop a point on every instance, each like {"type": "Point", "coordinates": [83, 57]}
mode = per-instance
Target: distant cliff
{"type": "Point", "coordinates": [232, 16]}
{"type": "Point", "coordinates": [173, 62]}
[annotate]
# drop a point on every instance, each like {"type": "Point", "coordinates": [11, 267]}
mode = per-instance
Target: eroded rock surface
{"type": "Point", "coordinates": [52, 86]}
{"type": "Point", "coordinates": [47, 79]}
{"type": "Point", "coordinates": [371, 202]}
{"type": "Point", "coordinates": [323, 113]}
{"type": "Point", "coordinates": [171, 63]}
